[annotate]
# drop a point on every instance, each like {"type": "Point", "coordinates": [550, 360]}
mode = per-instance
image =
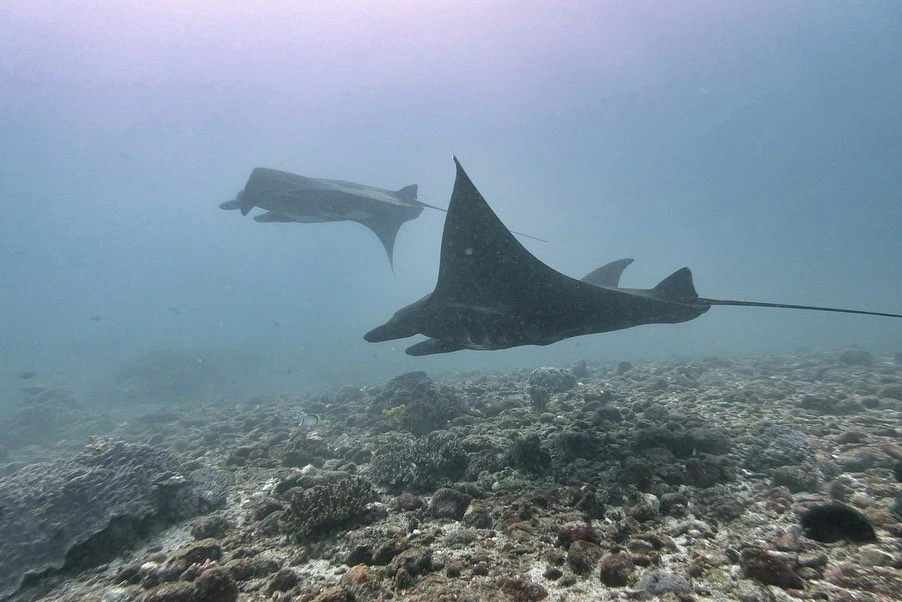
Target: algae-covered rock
{"type": "Point", "coordinates": [77, 513]}
{"type": "Point", "coordinates": [417, 403]}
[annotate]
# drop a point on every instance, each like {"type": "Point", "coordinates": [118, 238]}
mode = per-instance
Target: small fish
{"type": "Point", "coordinates": [276, 324]}
{"type": "Point", "coordinates": [95, 318]}
{"type": "Point", "coordinates": [174, 310]}
{"type": "Point", "coordinates": [289, 370]}
{"type": "Point", "coordinates": [27, 374]}
{"type": "Point", "coordinates": [310, 419]}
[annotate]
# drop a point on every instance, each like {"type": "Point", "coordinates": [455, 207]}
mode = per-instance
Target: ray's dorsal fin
{"type": "Point", "coordinates": [677, 287]}
{"type": "Point", "coordinates": [608, 274]}
{"type": "Point", "coordinates": [408, 193]}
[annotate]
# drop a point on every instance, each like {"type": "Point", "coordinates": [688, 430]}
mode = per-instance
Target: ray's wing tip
{"type": "Point", "coordinates": [461, 175]}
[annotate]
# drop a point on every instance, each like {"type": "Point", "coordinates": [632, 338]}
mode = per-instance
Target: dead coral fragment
{"type": "Point", "coordinates": [326, 507]}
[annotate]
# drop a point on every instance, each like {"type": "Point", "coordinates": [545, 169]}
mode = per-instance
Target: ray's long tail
{"type": "Point", "coordinates": [789, 306]}
{"type": "Point", "coordinates": [512, 231]}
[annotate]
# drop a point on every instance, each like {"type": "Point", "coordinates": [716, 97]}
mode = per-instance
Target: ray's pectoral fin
{"type": "Point", "coordinates": [386, 229]}
{"type": "Point", "coordinates": [432, 346]}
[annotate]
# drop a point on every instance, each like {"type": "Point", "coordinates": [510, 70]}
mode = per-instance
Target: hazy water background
{"type": "Point", "coordinates": [756, 142]}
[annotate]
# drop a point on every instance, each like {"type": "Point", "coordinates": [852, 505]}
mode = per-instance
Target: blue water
{"type": "Point", "coordinates": [758, 143]}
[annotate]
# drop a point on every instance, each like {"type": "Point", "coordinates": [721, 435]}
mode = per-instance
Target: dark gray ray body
{"type": "Point", "coordinates": [289, 197]}
{"type": "Point", "coordinates": [493, 294]}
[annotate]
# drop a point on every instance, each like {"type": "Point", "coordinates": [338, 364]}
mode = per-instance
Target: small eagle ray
{"type": "Point", "coordinates": [288, 197]}
{"type": "Point", "coordinates": [494, 294]}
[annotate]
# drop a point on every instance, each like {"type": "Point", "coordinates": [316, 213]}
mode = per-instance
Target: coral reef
{"type": "Point", "coordinates": [545, 381]}
{"type": "Point", "coordinates": [45, 415]}
{"type": "Point", "coordinates": [698, 478]}
{"type": "Point", "coordinates": [776, 446]}
{"type": "Point", "coordinates": [418, 404]}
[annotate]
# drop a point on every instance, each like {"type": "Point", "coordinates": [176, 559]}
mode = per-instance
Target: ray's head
{"type": "Point", "coordinates": [405, 323]}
